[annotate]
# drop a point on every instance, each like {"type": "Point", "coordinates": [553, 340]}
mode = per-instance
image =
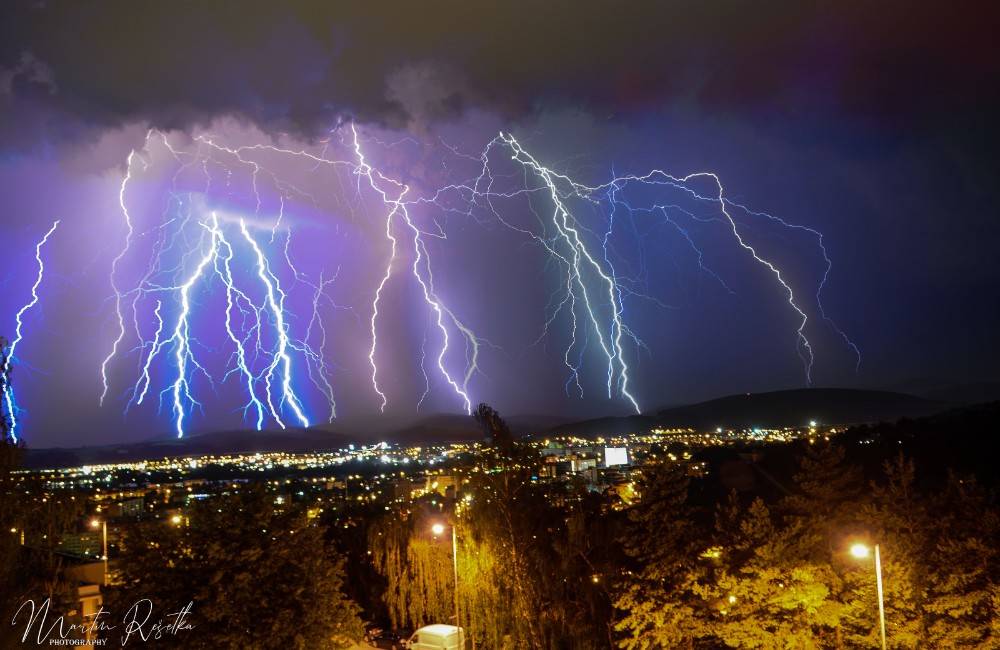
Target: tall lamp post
{"type": "Point", "coordinates": [438, 530]}
{"type": "Point", "coordinates": [94, 523]}
{"type": "Point", "coordinates": [861, 552]}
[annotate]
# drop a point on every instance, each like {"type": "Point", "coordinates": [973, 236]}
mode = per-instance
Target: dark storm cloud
{"type": "Point", "coordinates": [69, 66]}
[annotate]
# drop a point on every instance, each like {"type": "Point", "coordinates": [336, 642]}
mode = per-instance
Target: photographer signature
{"type": "Point", "coordinates": [138, 623]}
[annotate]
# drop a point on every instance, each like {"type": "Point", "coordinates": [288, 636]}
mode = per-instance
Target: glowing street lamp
{"type": "Point", "coordinates": [176, 520]}
{"type": "Point", "coordinates": [861, 552]}
{"type": "Point", "coordinates": [103, 525]}
{"type": "Point", "coordinates": [438, 529]}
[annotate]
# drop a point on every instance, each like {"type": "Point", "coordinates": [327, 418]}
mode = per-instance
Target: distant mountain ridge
{"type": "Point", "coordinates": [785, 408]}
{"type": "Point", "coordinates": [219, 442]}
{"type": "Point", "coordinates": [773, 409]}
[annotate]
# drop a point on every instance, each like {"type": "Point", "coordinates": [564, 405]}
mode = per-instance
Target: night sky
{"type": "Point", "coordinates": [874, 125]}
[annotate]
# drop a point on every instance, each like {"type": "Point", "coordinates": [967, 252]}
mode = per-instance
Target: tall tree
{"type": "Point", "coordinates": [900, 521]}
{"type": "Point", "coordinates": [417, 567]}
{"type": "Point", "coordinates": [962, 601]}
{"type": "Point", "coordinates": [510, 515]}
{"type": "Point", "coordinates": [821, 517]}
{"type": "Point", "coordinates": [663, 541]}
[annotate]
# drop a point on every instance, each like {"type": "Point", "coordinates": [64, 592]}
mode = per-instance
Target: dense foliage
{"type": "Point", "coordinates": [257, 576]}
{"type": "Point", "coordinates": [680, 568]}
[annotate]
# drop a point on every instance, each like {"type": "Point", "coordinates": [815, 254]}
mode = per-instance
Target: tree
{"type": "Point", "coordinates": [828, 496]}
{"type": "Point", "coordinates": [821, 517]}
{"type": "Point", "coordinates": [899, 519]}
{"type": "Point", "coordinates": [257, 576]}
{"type": "Point", "coordinates": [962, 602]}
{"type": "Point", "coordinates": [662, 541]}
{"type": "Point", "coordinates": [417, 569]}
{"type": "Point", "coordinates": [762, 594]}
{"type": "Point", "coordinates": [509, 515]}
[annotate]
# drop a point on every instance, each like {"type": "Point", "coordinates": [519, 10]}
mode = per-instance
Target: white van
{"type": "Point", "coordinates": [437, 637]}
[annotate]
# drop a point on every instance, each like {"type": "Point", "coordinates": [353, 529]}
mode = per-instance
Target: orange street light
{"type": "Point", "coordinates": [861, 552]}
{"type": "Point", "coordinates": [94, 523]}
{"type": "Point", "coordinates": [438, 528]}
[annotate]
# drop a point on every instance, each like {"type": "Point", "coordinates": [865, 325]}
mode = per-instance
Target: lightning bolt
{"type": "Point", "coordinates": [592, 286]}
{"type": "Point", "coordinates": [421, 270]}
{"type": "Point", "coordinates": [596, 283]}
{"type": "Point", "coordinates": [129, 230]}
{"type": "Point", "coordinates": [212, 255]}
{"type": "Point", "coordinates": [826, 274]}
{"type": "Point", "coordinates": [281, 356]}
{"type": "Point", "coordinates": [566, 225]}
{"type": "Point", "coordinates": [8, 392]}
{"type": "Point", "coordinates": [233, 297]}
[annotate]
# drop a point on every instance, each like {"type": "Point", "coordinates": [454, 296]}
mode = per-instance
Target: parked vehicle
{"type": "Point", "coordinates": [386, 640]}
{"type": "Point", "coordinates": [437, 637]}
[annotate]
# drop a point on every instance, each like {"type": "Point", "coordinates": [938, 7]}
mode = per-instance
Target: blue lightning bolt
{"type": "Point", "coordinates": [233, 296]}
{"type": "Point", "coordinates": [8, 393]}
{"type": "Point", "coordinates": [277, 306]}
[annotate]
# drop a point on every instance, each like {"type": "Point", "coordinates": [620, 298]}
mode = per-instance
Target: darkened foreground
{"type": "Point", "coordinates": [676, 560]}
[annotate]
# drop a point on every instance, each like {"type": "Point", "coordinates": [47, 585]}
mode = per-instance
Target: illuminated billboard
{"type": "Point", "coordinates": [615, 456]}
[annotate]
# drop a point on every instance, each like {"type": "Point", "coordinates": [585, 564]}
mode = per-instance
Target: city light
{"type": "Point", "coordinates": [437, 529]}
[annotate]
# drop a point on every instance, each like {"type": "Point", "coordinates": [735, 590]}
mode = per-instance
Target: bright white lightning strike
{"type": "Point", "coordinates": [129, 230]}
{"type": "Point", "coordinates": [8, 393]}
{"type": "Point", "coordinates": [278, 313]}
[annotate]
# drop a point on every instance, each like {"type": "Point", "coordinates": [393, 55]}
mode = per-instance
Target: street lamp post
{"type": "Point", "coordinates": [438, 529]}
{"type": "Point", "coordinates": [860, 551]}
{"type": "Point", "coordinates": [94, 523]}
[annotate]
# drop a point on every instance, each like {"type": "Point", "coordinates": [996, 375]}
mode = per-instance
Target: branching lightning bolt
{"type": "Point", "coordinates": [421, 268]}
